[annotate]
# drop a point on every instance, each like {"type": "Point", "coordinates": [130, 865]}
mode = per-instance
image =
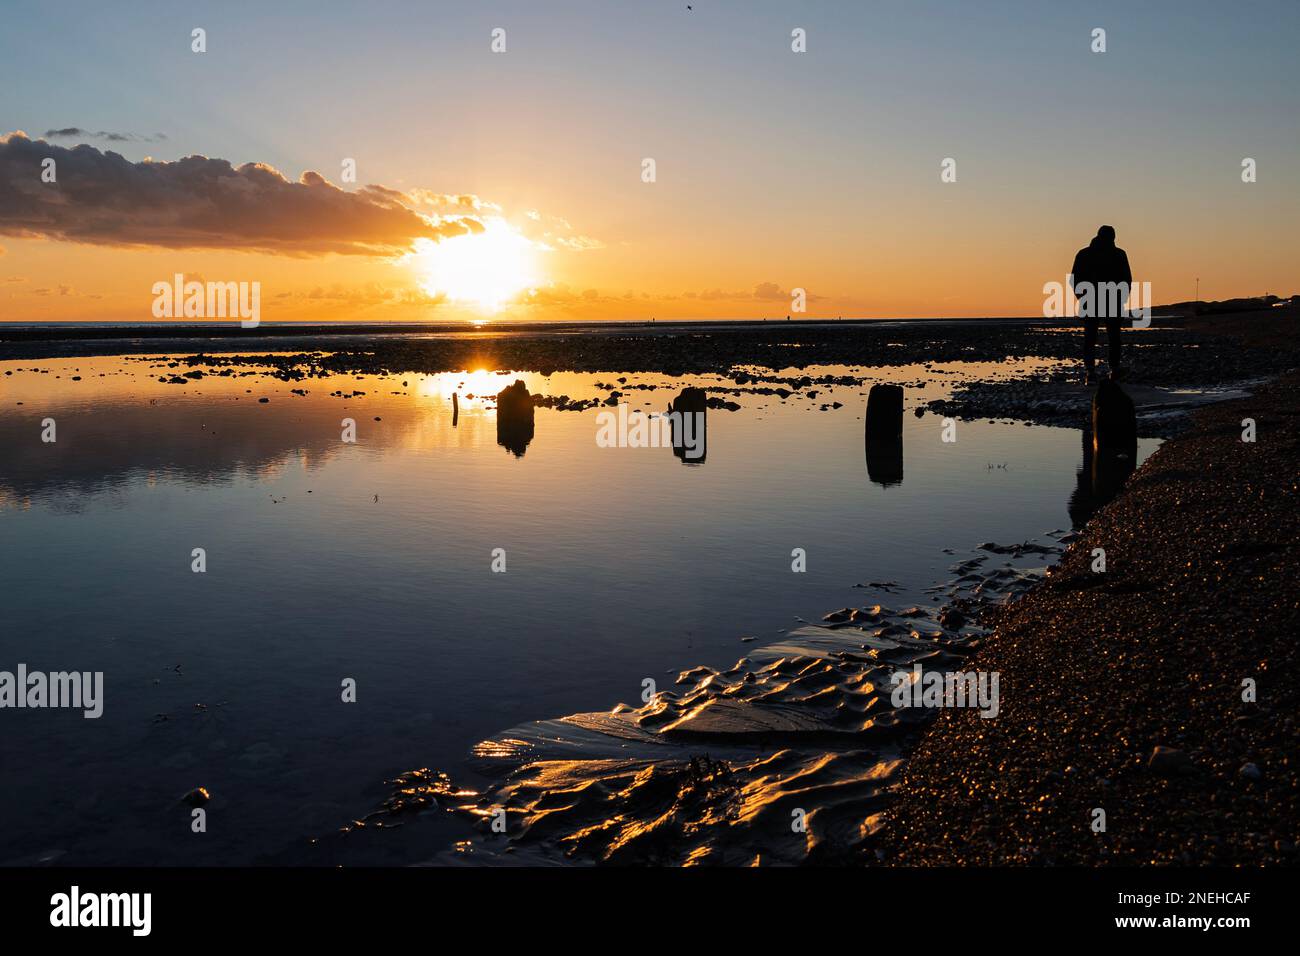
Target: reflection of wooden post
{"type": "Point", "coordinates": [455, 408]}
{"type": "Point", "coordinates": [1114, 420]}
{"type": "Point", "coordinates": [885, 413]}
{"type": "Point", "coordinates": [885, 462]}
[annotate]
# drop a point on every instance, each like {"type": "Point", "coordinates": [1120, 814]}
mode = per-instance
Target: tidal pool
{"type": "Point", "coordinates": [328, 560]}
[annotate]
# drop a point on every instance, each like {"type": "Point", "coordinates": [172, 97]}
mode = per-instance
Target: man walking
{"type": "Point", "coordinates": [1101, 283]}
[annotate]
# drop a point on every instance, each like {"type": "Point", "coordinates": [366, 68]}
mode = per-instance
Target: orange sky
{"type": "Point", "coordinates": [775, 170]}
{"type": "Point", "coordinates": [944, 263]}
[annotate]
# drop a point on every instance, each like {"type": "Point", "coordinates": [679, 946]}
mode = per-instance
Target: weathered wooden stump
{"type": "Point", "coordinates": [884, 413]}
{"type": "Point", "coordinates": [688, 414]}
{"type": "Point", "coordinates": [515, 418]}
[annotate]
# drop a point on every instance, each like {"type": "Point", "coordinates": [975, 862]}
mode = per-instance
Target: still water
{"type": "Point", "coordinates": [328, 560]}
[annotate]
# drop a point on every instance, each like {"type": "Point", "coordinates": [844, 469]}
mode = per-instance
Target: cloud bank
{"type": "Point", "coordinates": [102, 198]}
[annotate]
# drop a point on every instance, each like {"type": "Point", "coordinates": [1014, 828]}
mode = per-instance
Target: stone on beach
{"type": "Point", "coordinates": [952, 619]}
{"type": "Point", "coordinates": [1170, 762]}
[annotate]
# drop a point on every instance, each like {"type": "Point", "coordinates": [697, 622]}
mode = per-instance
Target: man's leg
{"type": "Point", "coordinates": [1089, 343]}
{"type": "Point", "coordinates": [1112, 344]}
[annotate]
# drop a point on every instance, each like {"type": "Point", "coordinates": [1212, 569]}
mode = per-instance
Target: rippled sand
{"type": "Point", "coordinates": [788, 756]}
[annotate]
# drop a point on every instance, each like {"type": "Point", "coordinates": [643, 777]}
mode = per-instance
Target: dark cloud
{"type": "Point", "coordinates": [76, 132]}
{"type": "Point", "coordinates": [103, 198]}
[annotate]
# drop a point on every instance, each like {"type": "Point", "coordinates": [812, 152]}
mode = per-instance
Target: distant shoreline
{"type": "Point", "coordinates": [23, 331]}
{"type": "Point", "coordinates": [553, 344]}
{"type": "Point", "coordinates": [174, 329]}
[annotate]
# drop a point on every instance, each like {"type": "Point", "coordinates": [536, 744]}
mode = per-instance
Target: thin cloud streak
{"type": "Point", "coordinates": [76, 132]}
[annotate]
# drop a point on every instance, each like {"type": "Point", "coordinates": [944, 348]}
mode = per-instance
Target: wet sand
{"type": "Point", "coordinates": [786, 757]}
{"type": "Point", "coordinates": [1100, 670]}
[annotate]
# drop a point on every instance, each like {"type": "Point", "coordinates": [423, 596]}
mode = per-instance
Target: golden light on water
{"type": "Point", "coordinates": [479, 382]}
{"type": "Point", "coordinates": [485, 270]}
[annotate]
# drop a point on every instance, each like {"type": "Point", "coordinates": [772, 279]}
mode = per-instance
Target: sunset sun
{"type": "Point", "coordinates": [483, 269]}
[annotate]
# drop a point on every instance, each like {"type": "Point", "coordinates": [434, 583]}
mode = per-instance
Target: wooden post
{"type": "Point", "coordinates": [884, 413]}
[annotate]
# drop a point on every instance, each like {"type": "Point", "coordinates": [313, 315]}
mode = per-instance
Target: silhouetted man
{"type": "Point", "coordinates": [1101, 283]}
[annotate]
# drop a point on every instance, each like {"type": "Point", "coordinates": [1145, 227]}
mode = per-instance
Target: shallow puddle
{"type": "Point", "coordinates": [329, 560]}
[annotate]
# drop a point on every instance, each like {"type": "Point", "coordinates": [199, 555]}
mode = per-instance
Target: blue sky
{"type": "Point", "coordinates": [769, 162]}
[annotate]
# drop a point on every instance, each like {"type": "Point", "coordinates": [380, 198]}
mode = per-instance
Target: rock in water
{"type": "Point", "coordinates": [885, 413]}
{"type": "Point", "coordinates": [515, 418]}
{"type": "Point", "coordinates": [1114, 419]}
